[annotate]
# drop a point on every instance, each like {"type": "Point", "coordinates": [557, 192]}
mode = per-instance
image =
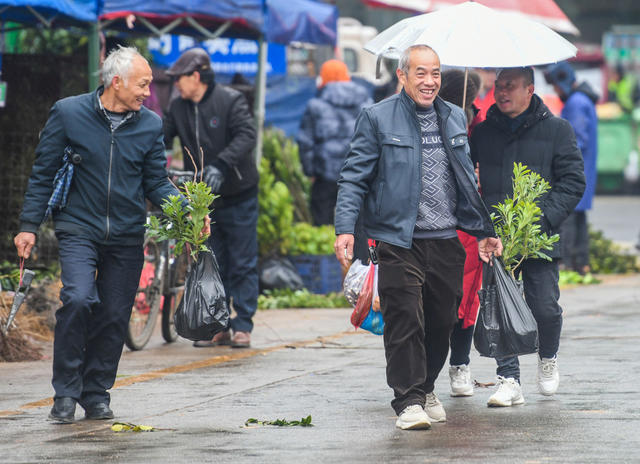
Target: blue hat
{"type": "Point", "coordinates": [562, 75]}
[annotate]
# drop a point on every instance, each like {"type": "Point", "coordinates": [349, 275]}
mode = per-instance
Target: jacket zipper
{"type": "Point", "coordinates": [109, 185]}
{"type": "Point", "coordinates": [198, 148]}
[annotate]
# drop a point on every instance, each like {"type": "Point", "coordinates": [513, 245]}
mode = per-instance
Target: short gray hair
{"type": "Point", "coordinates": [118, 63]}
{"type": "Point", "coordinates": [403, 64]}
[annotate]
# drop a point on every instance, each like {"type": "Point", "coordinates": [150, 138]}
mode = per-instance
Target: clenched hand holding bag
{"type": "Point", "coordinates": [506, 326]}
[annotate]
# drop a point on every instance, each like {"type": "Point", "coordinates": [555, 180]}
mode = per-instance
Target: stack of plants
{"type": "Point", "coordinates": [284, 223]}
{"type": "Point", "coordinates": [605, 257]}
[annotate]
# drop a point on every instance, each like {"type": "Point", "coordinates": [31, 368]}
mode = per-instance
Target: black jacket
{"type": "Point", "coordinates": [119, 168]}
{"type": "Point", "coordinates": [222, 125]}
{"type": "Point", "coordinates": [546, 144]}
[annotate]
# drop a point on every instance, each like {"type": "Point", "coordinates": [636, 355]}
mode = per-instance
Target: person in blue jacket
{"type": "Point", "coordinates": [579, 109]}
{"type": "Point", "coordinates": [101, 229]}
{"type": "Point", "coordinates": [325, 132]}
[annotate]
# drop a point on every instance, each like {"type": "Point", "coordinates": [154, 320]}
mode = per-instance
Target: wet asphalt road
{"type": "Point", "coordinates": [202, 398]}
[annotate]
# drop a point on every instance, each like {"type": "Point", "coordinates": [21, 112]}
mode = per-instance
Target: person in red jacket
{"type": "Point", "coordinates": [451, 90]}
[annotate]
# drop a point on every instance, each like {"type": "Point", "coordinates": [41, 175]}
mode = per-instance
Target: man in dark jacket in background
{"type": "Point", "coordinates": [520, 128]}
{"type": "Point", "coordinates": [325, 132]}
{"type": "Point", "coordinates": [580, 110]}
{"type": "Point", "coordinates": [409, 177]}
{"type": "Point", "coordinates": [101, 229]}
{"type": "Point", "coordinates": [216, 119]}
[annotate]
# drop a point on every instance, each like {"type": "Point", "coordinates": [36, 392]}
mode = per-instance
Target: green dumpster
{"type": "Point", "coordinates": [616, 139]}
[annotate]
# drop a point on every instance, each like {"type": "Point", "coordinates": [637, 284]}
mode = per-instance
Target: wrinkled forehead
{"type": "Point", "coordinates": [424, 58]}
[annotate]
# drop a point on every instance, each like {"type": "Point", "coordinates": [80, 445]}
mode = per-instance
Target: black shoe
{"type": "Point", "coordinates": [98, 411]}
{"type": "Point", "coordinates": [63, 411]}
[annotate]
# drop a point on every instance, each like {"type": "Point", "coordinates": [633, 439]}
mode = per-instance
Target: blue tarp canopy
{"type": "Point", "coordinates": [280, 21]}
{"type": "Point", "coordinates": [49, 12]}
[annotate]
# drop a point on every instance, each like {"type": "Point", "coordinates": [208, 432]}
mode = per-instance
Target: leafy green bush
{"type": "Point", "coordinates": [605, 257]}
{"type": "Point", "coordinates": [574, 278]}
{"type": "Point", "coordinates": [312, 240]}
{"type": "Point", "coordinates": [284, 162]}
{"type": "Point", "coordinates": [283, 198]}
{"type": "Point", "coordinates": [275, 221]}
{"type": "Point", "coordinates": [184, 224]}
{"type": "Point", "coordinates": [518, 217]}
{"type": "Point", "coordinates": [280, 299]}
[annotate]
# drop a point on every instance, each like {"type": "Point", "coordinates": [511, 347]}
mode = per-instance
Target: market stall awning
{"type": "Point", "coordinates": [49, 12]}
{"type": "Point", "coordinates": [279, 21]}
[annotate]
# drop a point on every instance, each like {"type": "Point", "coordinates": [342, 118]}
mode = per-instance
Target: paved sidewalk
{"type": "Point", "coordinates": [200, 399]}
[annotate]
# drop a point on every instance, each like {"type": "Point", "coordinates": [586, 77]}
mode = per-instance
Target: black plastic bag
{"type": "Point", "coordinates": [203, 310]}
{"type": "Point", "coordinates": [506, 326]}
{"type": "Point", "coordinates": [279, 273]}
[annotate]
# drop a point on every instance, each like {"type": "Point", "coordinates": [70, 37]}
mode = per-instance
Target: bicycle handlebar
{"type": "Point", "coordinates": [176, 173]}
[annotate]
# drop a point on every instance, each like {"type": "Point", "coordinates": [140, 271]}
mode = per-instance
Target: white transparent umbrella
{"type": "Point", "coordinates": [473, 35]}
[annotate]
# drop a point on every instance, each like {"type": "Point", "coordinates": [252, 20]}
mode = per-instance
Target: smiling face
{"type": "Point", "coordinates": [131, 92]}
{"type": "Point", "coordinates": [422, 79]}
{"type": "Point", "coordinates": [512, 93]}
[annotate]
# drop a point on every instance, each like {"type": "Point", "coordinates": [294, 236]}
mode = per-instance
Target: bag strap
{"type": "Point", "coordinates": [373, 254]}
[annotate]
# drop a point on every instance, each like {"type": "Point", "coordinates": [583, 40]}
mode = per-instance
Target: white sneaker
{"type": "Point", "coordinates": [548, 375]}
{"type": "Point", "coordinates": [509, 393]}
{"type": "Point", "coordinates": [433, 408]}
{"type": "Point", "coordinates": [460, 379]}
{"type": "Point", "coordinates": [413, 418]}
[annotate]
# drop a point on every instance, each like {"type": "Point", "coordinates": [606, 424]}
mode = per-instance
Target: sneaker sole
{"type": "Point", "coordinates": [464, 393]}
{"type": "Point", "coordinates": [420, 425]}
{"type": "Point", "coordinates": [495, 404]}
{"type": "Point", "coordinates": [435, 421]}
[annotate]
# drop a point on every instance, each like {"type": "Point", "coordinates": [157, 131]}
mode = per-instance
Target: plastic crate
{"type": "Point", "coordinates": [320, 273]}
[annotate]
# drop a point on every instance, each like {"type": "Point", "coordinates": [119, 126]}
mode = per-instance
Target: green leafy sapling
{"type": "Point", "coordinates": [182, 223]}
{"type": "Point", "coordinates": [517, 221]}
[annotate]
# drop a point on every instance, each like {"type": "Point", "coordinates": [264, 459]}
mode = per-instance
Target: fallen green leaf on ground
{"type": "Point", "coordinates": [128, 427]}
{"type": "Point", "coordinates": [304, 422]}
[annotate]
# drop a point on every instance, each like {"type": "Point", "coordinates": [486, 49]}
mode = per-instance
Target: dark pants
{"type": "Point", "coordinates": [99, 288]}
{"type": "Point", "coordinates": [420, 291]}
{"type": "Point", "coordinates": [575, 241]}
{"type": "Point", "coordinates": [461, 340]}
{"type": "Point", "coordinates": [324, 195]}
{"type": "Point", "coordinates": [540, 278]}
{"type": "Point", "coordinates": [234, 241]}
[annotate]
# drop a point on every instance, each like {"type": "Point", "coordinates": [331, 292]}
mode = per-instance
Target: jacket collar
{"type": "Point", "coordinates": [439, 105]}
{"type": "Point", "coordinates": [97, 105]}
{"type": "Point", "coordinates": [537, 111]}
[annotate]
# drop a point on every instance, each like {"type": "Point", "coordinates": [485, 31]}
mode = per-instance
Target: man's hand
{"type": "Point", "coordinates": [477, 171]}
{"type": "Point", "coordinates": [24, 242]}
{"type": "Point", "coordinates": [489, 246]}
{"type": "Point", "coordinates": [344, 249]}
{"type": "Point", "coordinates": [206, 229]}
{"type": "Point", "coordinates": [213, 177]}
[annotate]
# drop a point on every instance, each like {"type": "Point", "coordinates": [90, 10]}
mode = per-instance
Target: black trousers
{"type": "Point", "coordinates": [575, 241]}
{"type": "Point", "coordinates": [420, 290]}
{"type": "Point", "coordinates": [99, 288]}
{"type": "Point", "coordinates": [324, 195]}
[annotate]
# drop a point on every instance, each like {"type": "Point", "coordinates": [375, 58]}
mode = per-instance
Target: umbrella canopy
{"type": "Point", "coordinates": [546, 12]}
{"type": "Point", "coordinates": [470, 34]}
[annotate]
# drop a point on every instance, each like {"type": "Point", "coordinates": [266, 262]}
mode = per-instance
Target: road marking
{"type": "Point", "coordinates": [215, 360]}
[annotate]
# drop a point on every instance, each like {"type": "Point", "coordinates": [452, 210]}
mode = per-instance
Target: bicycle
{"type": "Point", "coordinates": [161, 286]}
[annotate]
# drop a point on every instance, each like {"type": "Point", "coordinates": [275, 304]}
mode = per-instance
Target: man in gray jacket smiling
{"type": "Point", "coordinates": [410, 178]}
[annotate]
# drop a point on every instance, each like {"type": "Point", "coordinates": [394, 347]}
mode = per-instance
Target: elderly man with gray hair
{"type": "Point", "coordinates": [119, 150]}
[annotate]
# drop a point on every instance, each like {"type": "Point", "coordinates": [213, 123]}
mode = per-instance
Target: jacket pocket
{"type": "Point", "coordinates": [458, 141]}
{"type": "Point", "coordinates": [397, 148]}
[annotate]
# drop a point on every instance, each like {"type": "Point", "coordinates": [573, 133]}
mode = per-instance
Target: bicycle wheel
{"type": "Point", "coordinates": [177, 275]}
{"type": "Point", "coordinates": [146, 306]}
